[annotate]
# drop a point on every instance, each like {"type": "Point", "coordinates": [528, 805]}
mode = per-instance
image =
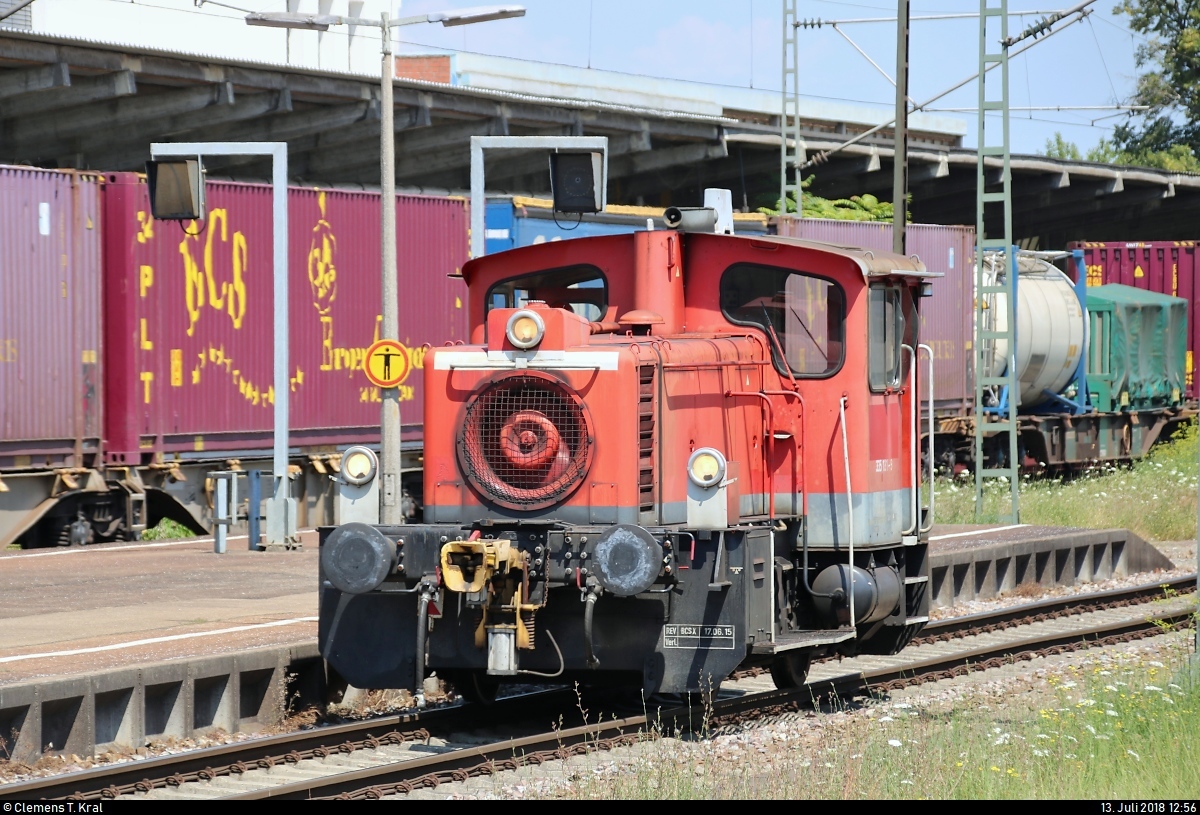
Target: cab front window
{"type": "Point", "coordinates": [580, 289]}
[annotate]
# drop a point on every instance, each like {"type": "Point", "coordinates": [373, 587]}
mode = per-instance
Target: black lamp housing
{"type": "Point", "coordinates": [176, 189]}
{"type": "Point", "coordinates": [576, 180]}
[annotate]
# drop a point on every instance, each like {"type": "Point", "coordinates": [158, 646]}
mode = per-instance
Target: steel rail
{"type": "Point", "coordinates": [399, 778]}
{"type": "Point", "coordinates": [998, 619]}
{"type": "Point", "coordinates": [107, 782]}
{"type": "Point", "coordinates": [984, 622]}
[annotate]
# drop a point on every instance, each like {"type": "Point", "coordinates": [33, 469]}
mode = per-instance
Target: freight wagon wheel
{"type": "Point", "coordinates": [790, 669]}
{"type": "Point", "coordinates": [474, 686]}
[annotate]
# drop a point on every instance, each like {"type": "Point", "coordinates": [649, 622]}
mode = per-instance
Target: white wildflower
{"type": "Point", "coordinates": [891, 743]}
{"type": "Point", "coordinates": [1152, 687]}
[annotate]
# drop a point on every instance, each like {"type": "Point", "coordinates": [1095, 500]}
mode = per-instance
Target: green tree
{"type": "Point", "coordinates": [1105, 153]}
{"type": "Point", "coordinates": [1060, 148]}
{"type": "Point", "coordinates": [1178, 158]}
{"type": "Point", "coordinates": [865, 207]}
{"type": "Point", "coordinates": [1171, 86]}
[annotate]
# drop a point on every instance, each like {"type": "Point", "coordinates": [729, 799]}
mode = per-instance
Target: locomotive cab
{"type": "Point", "coordinates": [664, 456]}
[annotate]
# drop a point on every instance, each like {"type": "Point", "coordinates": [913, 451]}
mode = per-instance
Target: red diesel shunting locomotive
{"type": "Point", "coordinates": [663, 456]}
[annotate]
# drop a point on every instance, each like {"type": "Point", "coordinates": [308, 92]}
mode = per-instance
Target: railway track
{"type": "Point", "coordinates": [397, 754]}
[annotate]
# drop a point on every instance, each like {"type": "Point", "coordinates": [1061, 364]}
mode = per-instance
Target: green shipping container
{"type": "Point", "coordinates": [1137, 355]}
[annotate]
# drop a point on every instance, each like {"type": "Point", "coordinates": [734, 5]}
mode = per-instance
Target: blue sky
{"type": "Point", "coordinates": [738, 43]}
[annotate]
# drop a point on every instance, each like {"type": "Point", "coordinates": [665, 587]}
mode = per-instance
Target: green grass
{"type": "Point", "coordinates": [1127, 727]}
{"type": "Point", "coordinates": [1154, 498]}
{"type": "Point", "coordinates": [168, 530]}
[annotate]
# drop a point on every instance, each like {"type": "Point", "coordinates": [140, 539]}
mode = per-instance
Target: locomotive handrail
{"type": "Point", "coordinates": [801, 447]}
{"type": "Point", "coordinates": [914, 438]}
{"type": "Point", "coordinates": [768, 448]}
{"type": "Point", "coordinates": [849, 506]}
{"type": "Point", "coordinates": [725, 363]}
{"type": "Point", "coordinates": [923, 347]}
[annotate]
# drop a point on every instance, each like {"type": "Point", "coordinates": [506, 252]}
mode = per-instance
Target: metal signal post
{"type": "Point", "coordinates": [391, 510]}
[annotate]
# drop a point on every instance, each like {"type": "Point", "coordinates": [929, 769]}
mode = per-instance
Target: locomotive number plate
{"type": "Point", "coordinates": [695, 637]}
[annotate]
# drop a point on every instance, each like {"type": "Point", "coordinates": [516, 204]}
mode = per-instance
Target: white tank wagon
{"type": "Point", "coordinates": [1051, 336]}
{"type": "Point", "coordinates": [1077, 404]}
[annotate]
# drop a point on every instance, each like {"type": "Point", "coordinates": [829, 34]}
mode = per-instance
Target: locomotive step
{"type": "Point", "coordinates": [803, 639]}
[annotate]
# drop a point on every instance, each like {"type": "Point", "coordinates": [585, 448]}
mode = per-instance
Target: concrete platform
{"type": "Point", "coordinates": [129, 708]}
{"type": "Point", "coordinates": [981, 562]}
{"type": "Point", "coordinates": [67, 612]}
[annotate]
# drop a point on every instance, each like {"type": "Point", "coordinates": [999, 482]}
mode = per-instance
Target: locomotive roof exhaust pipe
{"type": "Point", "coordinates": [690, 219]}
{"type": "Point", "coordinates": [716, 216]}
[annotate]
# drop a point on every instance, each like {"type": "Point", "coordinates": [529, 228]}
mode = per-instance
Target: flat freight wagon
{"type": "Point", "coordinates": [141, 356]}
{"type": "Point", "coordinates": [1165, 267]}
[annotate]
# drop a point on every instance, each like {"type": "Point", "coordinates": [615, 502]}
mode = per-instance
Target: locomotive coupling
{"type": "Point", "coordinates": [469, 566]}
{"type": "Point", "coordinates": [493, 576]}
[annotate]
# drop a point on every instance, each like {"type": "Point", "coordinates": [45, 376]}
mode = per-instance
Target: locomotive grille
{"type": "Point", "coordinates": [525, 442]}
{"type": "Point", "coordinates": [647, 478]}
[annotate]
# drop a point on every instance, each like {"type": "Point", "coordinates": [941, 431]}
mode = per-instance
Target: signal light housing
{"type": "Point", "coordinates": [706, 467]}
{"type": "Point", "coordinates": [525, 329]}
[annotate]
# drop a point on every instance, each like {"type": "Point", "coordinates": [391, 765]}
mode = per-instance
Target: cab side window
{"type": "Point", "coordinates": [891, 326]}
{"type": "Point", "coordinates": [805, 313]}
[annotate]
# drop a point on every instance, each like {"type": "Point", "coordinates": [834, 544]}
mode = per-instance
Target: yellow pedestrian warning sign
{"type": "Point", "coordinates": [387, 364]}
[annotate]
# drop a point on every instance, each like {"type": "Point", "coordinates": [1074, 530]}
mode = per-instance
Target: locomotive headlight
{"type": "Point", "coordinates": [525, 329]}
{"type": "Point", "coordinates": [706, 467]}
{"type": "Point", "coordinates": [359, 465]}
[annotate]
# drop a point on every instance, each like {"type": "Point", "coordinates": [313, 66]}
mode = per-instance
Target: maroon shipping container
{"type": "Point", "coordinates": [1166, 267]}
{"type": "Point", "coordinates": [946, 316]}
{"type": "Point", "coordinates": [189, 316]}
{"type": "Point", "coordinates": [50, 340]}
